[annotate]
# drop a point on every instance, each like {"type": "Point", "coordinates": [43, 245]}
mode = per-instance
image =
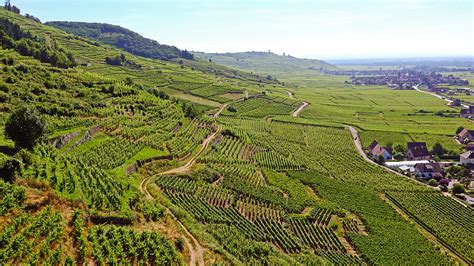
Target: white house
{"type": "Point", "coordinates": [467, 158]}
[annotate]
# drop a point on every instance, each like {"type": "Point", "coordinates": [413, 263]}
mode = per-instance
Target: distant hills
{"type": "Point", "coordinates": [265, 62]}
{"type": "Point", "coordinates": [122, 38]}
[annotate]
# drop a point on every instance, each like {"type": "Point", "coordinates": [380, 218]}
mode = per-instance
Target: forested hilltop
{"type": "Point", "coordinates": [122, 38]}
{"type": "Point", "coordinates": [107, 157]}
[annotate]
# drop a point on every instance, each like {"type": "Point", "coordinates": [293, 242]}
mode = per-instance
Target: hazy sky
{"type": "Point", "coordinates": [318, 29]}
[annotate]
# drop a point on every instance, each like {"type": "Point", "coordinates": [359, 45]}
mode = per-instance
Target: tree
{"type": "Point", "coordinates": [15, 9]}
{"type": "Point", "coordinates": [25, 127]}
{"type": "Point", "coordinates": [459, 130]}
{"type": "Point", "coordinates": [458, 189]}
{"type": "Point", "coordinates": [187, 55]}
{"type": "Point", "coordinates": [444, 182]}
{"type": "Point", "coordinates": [399, 148]}
{"type": "Point", "coordinates": [438, 149]}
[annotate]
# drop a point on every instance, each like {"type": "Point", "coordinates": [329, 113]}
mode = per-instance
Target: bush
{"type": "Point", "coordinates": [25, 127]}
{"type": "Point", "coordinates": [179, 243]}
{"type": "Point", "coordinates": [433, 182]}
{"type": "Point", "coordinates": [25, 156]}
{"type": "Point", "coordinates": [10, 169]}
{"type": "Point", "coordinates": [458, 189]}
{"type": "Point", "coordinates": [444, 182]}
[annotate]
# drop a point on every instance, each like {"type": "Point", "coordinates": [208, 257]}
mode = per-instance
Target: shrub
{"type": "Point", "coordinates": [10, 169]}
{"type": "Point", "coordinates": [444, 182]}
{"type": "Point", "coordinates": [179, 243]}
{"type": "Point", "coordinates": [433, 182]}
{"type": "Point", "coordinates": [25, 127]}
{"type": "Point", "coordinates": [458, 189]}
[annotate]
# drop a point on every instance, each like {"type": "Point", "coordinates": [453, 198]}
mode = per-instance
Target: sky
{"type": "Point", "coordinates": [323, 29]}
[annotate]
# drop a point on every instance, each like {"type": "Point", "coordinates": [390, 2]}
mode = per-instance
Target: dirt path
{"type": "Point", "coordinates": [423, 230]}
{"type": "Point", "coordinates": [290, 94]}
{"type": "Point", "coordinates": [221, 108]}
{"type": "Point", "coordinates": [299, 109]}
{"type": "Point", "coordinates": [195, 249]}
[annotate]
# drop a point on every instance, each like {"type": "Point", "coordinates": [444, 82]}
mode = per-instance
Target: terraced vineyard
{"type": "Point", "coordinates": [137, 170]}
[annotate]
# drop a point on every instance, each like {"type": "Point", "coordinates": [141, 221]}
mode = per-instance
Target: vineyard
{"type": "Point", "coordinates": [262, 106]}
{"type": "Point", "coordinates": [135, 167]}
{"type": "Point", "coordinates": [443, 216]}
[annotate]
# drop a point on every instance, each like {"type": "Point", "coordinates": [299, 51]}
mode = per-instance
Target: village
{"type": "Point", "coordinates": [434, 168]}
{"type": "Point", "coordinates": [407, 79]}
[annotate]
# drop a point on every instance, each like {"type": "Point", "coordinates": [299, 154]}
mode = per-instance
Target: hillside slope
{"type": "Point", "coordinates": [125, 39]}
{"type": "Point", "coordinates": [265, 62]}
{"type": "Point", "coordinates": [131, 176]}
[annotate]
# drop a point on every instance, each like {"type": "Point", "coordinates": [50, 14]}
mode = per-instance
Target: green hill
{"type": "Point", "coordinates": [120, 37]}
{"type": "Point", "coordinates": [133, 172]}
{"type": "Point", "coordinates": [266, 62]}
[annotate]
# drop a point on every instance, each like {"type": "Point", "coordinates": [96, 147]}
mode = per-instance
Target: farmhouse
{"type": "Point", "coordinates": [466, 113]}
{"type": "Point", "coordinates": [467, 158]}
{"type": "Point", "coordinates": [465, 136]}
{"type": "Point", "coordinates": [376, 150]}
{"type": "Point", "coordinates": [428, 170]}
{"type": "Point", "coordinates": [417, 151]}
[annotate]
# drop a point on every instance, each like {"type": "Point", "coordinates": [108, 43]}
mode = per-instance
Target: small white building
{"type": "Point", "coordinates": [467, 158]}
{"type": "Point", "coordinates": [405, 165]}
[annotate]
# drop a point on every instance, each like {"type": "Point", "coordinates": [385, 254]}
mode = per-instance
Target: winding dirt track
{"type": "Point", "coordinates": [219, 111]}
{"type": "Point", "coordinates": [195, 249]}
{"type": "Point", "coordinates": [300, 108]}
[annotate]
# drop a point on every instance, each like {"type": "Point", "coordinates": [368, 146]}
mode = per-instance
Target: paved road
{"type": "Point", "coordinates": [416, 87]}
{"type": "Point", "coordinates": [358, 144]}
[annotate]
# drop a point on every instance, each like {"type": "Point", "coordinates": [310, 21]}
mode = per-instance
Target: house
{"type": "Point", "coordinates": [470, 147]}
{"type": "Point", "coordinates": [467, 158]}
{"type": "Point", "coordinates": [465, 136]}
{"type": "Point", "coordinates": [417, 151]}
{"type": "Point", "coordinates": [455, 102]}
{"type": "Point", "coordinates": [428, 170]}
{"type": "Point", "coordinates": [376, 150]}
{"type": "Point", "coordinates": [438, 90]}
{"type": "Point", "coordinates": [463, 90]}
{"type": "Point", "coordinates": [466, 113]}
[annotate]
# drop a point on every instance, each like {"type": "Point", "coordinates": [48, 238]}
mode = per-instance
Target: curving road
{"type": "Point", "coordinates": [416, 87]}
